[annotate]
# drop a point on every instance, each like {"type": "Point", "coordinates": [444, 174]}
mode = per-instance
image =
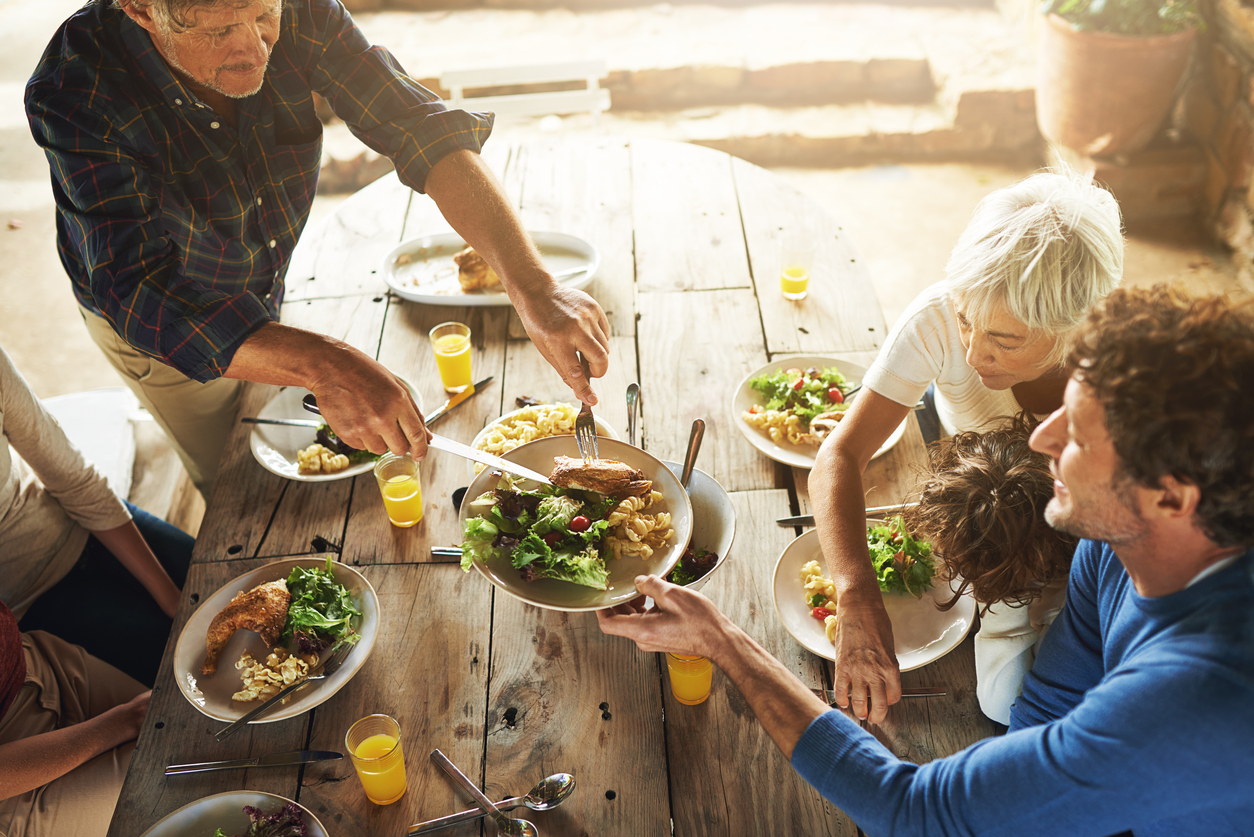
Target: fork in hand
{"type": "Point", "coordinates": [332, 663]}
{"type": "Point", "coordinates": [585, 424]}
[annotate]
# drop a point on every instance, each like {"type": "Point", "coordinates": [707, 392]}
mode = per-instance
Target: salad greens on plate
{"type": "Point", "coordinates": [806, 393]}
{"type": "Point", "coordinates": [548, 532]}
{"type": "Point", "coordinates": [903, 563]}
{"type": "Point", "coordinates": [288, 821]}
{"type": "Point", "coordinates": [321, 612]}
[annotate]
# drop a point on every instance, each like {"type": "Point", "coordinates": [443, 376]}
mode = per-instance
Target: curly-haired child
{"type": "Point", "coordinates": [983, 510]}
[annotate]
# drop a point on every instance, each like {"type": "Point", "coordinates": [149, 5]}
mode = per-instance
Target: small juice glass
{"type": "Point", "coordinates": [690, 678]}
{"type": "Point", "coordinates": [374, 745]}
{"type": "Point", "coordinates": [451, 342]}
{"type": "Point", "coordinates": [402, 492]}
{"type": "Point", "coordinates": [796, 256]}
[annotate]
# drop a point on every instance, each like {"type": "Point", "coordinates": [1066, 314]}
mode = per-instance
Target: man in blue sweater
{"type": "Point", "coordinates": [1137, 714]}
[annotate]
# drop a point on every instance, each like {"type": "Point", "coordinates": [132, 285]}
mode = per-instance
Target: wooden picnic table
{"type": "Point", "coordinates": [510, 692]}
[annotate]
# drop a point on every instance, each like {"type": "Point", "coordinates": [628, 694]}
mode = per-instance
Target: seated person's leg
{"type": "Point", "coordinates": [102, 607]}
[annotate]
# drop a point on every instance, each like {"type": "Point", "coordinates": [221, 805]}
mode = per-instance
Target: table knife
{"type": "Point", "coordinates": [873, 511]}
{"type": "Point", "coordinates": [829, 697]}
{"type": "Point", "coordinates": [271, 760]}
{"type": "Point", "coordinates": [456, 401]}
{"type": "Point", "coordinates": [449, 446]}
{"type": "Point", "coordinates": [290, 422]}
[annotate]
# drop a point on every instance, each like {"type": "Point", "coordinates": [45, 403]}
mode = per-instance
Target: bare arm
{"type": "Point", "coordinates": [866, 665]}
{"type": "Point", "coordinates": [364, 403]}
{"type": "Point", "coordinates": [559, 320]}
{"type": "Point", "coordinates": [33, 762]}
{"type": "Point", "coordinates": [684, 622]}
{"type": "Point", "coordinates": [130, 548]}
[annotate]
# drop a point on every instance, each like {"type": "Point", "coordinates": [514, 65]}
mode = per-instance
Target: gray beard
{"type": "Point", "coordinates": [171, 55]}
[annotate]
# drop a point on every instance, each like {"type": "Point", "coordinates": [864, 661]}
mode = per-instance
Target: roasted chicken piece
{"type": "Point", "coordinates": [821, 425]}
{"type": "Point", "coordinates": [604, 476]}
{"type": "Point", "coordinates": [262, 609]}
{"type": "Point", "coordinates": [473, 272]}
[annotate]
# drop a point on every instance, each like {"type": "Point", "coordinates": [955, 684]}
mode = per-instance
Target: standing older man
{"type": "Point", "coordinates": [185, 149]}
{"type": "Point", "coordinates": [1136, 715]}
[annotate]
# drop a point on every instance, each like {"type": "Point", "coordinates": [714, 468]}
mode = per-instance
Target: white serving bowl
{"type": "Point", "coordinates": [713, 518]}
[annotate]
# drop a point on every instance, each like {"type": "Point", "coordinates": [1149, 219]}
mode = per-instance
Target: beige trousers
{"type": "Point", "coordinates": [65, 686]}
{"type": "Point", "coordinates": [196, 417]}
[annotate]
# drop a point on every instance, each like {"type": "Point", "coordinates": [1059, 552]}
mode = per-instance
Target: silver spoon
{"type": "Point", "coordinates": [509, 826]}
{"type": "Point", "coordinates": [633, 401]}
{"type": "Point", "coordinates": [694, 445]}
{"type": "Point", "coordinates": [548, 793]}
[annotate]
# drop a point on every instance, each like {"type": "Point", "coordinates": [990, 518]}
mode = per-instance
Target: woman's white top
{"type": "Point", "coordinates": [1006, 647]}
{"type": "Point", "coordinates": [924, 347]}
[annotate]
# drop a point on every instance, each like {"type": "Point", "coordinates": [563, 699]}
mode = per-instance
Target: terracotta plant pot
{"type": "Point", "coordinates": [1102, 93]}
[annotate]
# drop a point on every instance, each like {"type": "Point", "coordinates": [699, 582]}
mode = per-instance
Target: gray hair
{"type": "Point", "coordinates": [178, 15]}
{"type": "Point", "coordinates": [1044, 250]}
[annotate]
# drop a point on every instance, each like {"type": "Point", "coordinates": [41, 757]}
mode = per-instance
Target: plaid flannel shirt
{"type": "Point", "coordinates": [174, 226]}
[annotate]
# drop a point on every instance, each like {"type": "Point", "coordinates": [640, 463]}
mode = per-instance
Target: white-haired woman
{"type": "Point", "coordinates": [985, 343]}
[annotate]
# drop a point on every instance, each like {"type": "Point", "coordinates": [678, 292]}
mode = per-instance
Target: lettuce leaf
{"type": "Point", "coordinates": [321, 607]}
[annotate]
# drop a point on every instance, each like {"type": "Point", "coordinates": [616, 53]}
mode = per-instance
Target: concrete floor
{"type": "Point", "coordinates": [904, 219]}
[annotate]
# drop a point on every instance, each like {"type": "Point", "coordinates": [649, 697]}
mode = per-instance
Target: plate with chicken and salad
{"type": "Point", "coordinates": [578, 544]}
{"type": "Point", "coordinates": [270, 627]}
{"type": "Point", "coordinates": [788, 407]}
{"type": "Point", "coordinates": [442, 270]}
{"type": "Point", "coordinates": [306, 454]}
{"type": "Point", "coordinates": [911, 582]}
{"type": "Point", "coordinates": [244, 812]}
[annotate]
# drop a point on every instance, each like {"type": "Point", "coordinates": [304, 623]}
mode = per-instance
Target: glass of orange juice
{"type": "Point", "coordinates": [402, 492]}
{"type": "Point", "coordinates": [374, 745]}
{"type": "Point", "coordinates": [690, 678]}
{"type": "Point", "coordinates": [796, 257]}
{"type": "Point", "coordinates": [451, 342]}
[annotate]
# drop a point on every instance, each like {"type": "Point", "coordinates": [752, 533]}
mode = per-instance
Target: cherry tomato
{"type": "Point", "coordinates": [836, 396]}
{"type": "Point", "coordinates": [580, 523]}
{"type": "Point", "coordinates": [552, 538]}
{"type": "Point", "coordinates": [820, 613]}
{"type": "Point", "coordinates": [798, 384]}
{"type": "Point", "coordinates": [755, 409]}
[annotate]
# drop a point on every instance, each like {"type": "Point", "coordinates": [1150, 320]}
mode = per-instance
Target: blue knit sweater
{"type": "Point", "coordinates": [1137, 715]}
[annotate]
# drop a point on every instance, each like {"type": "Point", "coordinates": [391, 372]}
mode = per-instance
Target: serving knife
{"type": "Point", "coordinates": [289, 422]}
{"type": "Point", "coordinates": [808, 519]}
{"type": "Point", "coordinates": [829, 697]}
{"type": "Point", "coordinates": [467, 452]}
{"type": "Point", "coordinates": [270, 760]}
{"type": "Point", "coordinates": [456, 401]}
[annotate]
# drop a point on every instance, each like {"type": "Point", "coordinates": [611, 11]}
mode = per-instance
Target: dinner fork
{"type": "Point", "coordinates": [325, 669]}
{"type": "Point", "coordinates": [585, 424]}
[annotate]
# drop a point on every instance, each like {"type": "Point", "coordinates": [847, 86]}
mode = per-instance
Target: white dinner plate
{"type": "Point", "coordinates": [604, 431]}
{"type": "Point", "coordinates": [275, 445]}
{"type": "Point", "coordinates": [426, 272]}
{"type": "Point", "coordinates": [225, 811]}
{"type": "Point", "coordinates": [922, 633]}
{"type": "Point", "coordinates": [212, 695]}
{"type": "Point", "coordinates": [798, 456]}
{"type": "Point", "coordinates": [562, 595]}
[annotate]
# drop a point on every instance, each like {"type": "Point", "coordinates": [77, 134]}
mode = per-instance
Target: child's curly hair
{"type": "Point", "coordinates": [983, 510]}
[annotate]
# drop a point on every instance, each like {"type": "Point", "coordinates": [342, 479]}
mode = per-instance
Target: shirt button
{"type": "Point", "coordinates": [259, 200]}
{"type": "Point", "coordinates": [178, 101]}
{"type": "Point", "coordinates": [273, 244]}
{"type": "Point", "coordinates": [215, 124]}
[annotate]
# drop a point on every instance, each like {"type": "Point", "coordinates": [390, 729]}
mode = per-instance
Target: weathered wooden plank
{"type": "Point", "coordinates": [405, 349]}
{"type": "Point", "coordinates": [894, 477]}
{"type": "Point", "coordinates": [175, 732]}
{"type": "Point", "coordinates": [841, 312]}
{"type": "Point", "coordinates": [564, 697]}
{"type": "Point", "coordinates": [245, 495]}
{"type": "Point", "coordinates": [583, 188]}
{"type": "Point", "coordinates": [429, 671]}
{"type": "Point", "coordinates": [710, 746]}
{"type": "Point", "coordinates": [686, 219]}
{"type": "Point", "coordinates": [528, 373]}
{"type": "Point", "coordinates": [354, 241]}
{"type": "Point", "coordinates": [694, 349]}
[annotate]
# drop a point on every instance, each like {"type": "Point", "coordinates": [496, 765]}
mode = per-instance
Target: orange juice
{"type": "Point", "coordinates": [690, 678]}
{"type": "Point", "coordinates": [793, 281]}
{"type": "Point", "coordinates": [402, 497]}
{"type": "Point", "coordinates": [380, 765]}
{"type": "Point", "coordinates": [452, 358]}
